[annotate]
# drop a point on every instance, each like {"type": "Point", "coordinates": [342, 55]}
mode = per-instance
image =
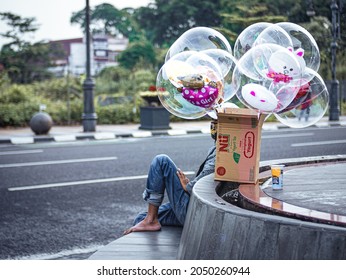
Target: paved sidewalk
{"type": "Point", "coordinates": [103, 132]}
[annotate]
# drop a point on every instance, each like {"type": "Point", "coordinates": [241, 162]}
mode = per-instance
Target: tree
{"type": "Point", "coordinates": [140, 54]}
{"type": "Point", "coordinates": [165, 20]}
{"type": "Point", "coordinates": [103, 19]}
{"type": "Point", "coordinates": [320, 29]}
{"type": "Point", "coordinates": [106, 19]}
{"type": "Point", "coordinates": [236, 16]}
{"type": "Point", "coordinates": [18, 27]}
{"type": "Point", "coordinates": [24, 62]}
{"type": "Point", "coordinates": [28, 64]}
{"type": "Point", "coordinates": [322, 9]}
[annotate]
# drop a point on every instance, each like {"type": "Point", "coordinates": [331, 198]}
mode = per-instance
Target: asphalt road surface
{"type": "Point", "coordinates": [63, 201]}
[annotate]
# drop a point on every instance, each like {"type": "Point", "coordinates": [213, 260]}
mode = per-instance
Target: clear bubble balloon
{"type": "Point", "coordinates": [227, 63]}
{"type": "Point", "coordinates": [285, 94]}
{"type": "Point", "coordinates": [224, 105]}
{"type": "Point", "coordinates": [247, 37]}
{"type": "Point", "coordinates": [173, 100]}
{"type": "Point", "coordinates": [274, 34]}
{"type": "Point", "coordinates": [277, 63]}
{"type": "Point", "coordinates": [178, 67]}
{"type": "Point", "coordinates": [259, 97]}
{"type": "Point", "coordinates": [205, 65]}
{"type": "Point", "coordinates": [302, 39]}
{"type": "Point", "coordinates": [190, 83]}
{"type": "Point", "coordinates": [199, 39]}
{"type": "Point", "coordinates": [267, 78]}
{"type": "Point", "coordinates": [309, 105]}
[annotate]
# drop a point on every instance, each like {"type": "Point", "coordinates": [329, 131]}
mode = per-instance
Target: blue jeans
{"type": "Point", "coordinates": [163, 176]}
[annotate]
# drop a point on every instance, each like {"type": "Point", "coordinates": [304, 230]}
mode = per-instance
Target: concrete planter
{"type": "Point", "coordinates": [154, 118]}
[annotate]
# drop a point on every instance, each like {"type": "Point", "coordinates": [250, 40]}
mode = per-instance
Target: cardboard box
{"type": "Point", "coordinates": [238, 145]}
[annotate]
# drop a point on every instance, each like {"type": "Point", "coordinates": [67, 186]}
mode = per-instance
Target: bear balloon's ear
{"type": "Point", "coordinates": [300, 52]}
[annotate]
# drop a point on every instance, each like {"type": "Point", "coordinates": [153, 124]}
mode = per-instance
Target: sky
{"type": "Point", "coordinates": [53, 16]}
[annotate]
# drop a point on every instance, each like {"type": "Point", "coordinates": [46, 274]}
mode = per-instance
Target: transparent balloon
{"type": "Point", "coordinates": [309, 105]}
{"type": "Point", "coordinates": [261, 81]}
{"type": "Point", "coordinates": [178, 67]}
{"type": "Point", "coordinates": [199, 39]}
{"type": "Point", "coordinates": [227, 64]}
{"type": "Point", "coordinates": [274, 34]}
{"type": "Point", "coordinates": [247, 37]}
{"type": "Point", "coordinates": [173, 100]}
{"type": "Point", "coordinates": [205, 65]}
{"type": "Point", "coordinates": [191, 83]}
{"type": "Point", "coordinates": [302, 39]}
{"type": "Point", "coordinates": [278, 64]}
{"type": "Point", "coordinates": [285, 94]}
{"type": "Point", "coordinates": [223, 105]}
{"type": "Point", "coordinates": [258, 97]}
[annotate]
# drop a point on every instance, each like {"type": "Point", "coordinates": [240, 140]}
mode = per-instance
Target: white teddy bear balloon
{"type": "Point", "coordinates": [286, 65]}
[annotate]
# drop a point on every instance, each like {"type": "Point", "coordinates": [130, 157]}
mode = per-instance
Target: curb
{"type": "Point", "coordinates": [18, 140]}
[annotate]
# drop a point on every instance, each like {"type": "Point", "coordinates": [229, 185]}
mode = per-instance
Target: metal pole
{"type": "Point", "coordinates": [310, 11]}
{"type": "Point", "coordinates": [89, 116]}
{"type": "Point", "coordinates": [334, 110]}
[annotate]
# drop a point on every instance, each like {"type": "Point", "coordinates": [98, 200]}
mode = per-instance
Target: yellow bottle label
{"type": "Point", "coordinates": [276, 172]}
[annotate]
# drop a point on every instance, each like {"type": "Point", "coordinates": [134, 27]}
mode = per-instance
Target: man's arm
{"type": "Point", "coordinates": [208, 168]}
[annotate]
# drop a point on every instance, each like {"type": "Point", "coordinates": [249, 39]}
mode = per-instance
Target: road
{"type": "Point", "coordinates": [63, 201]}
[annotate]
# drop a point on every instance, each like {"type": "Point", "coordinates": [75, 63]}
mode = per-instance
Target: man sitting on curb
{"type": "Point", "coordinates": [164, 175]}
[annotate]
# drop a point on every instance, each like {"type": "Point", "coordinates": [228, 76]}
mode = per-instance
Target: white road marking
{"type": "Point", "coordinates": [5, 153]}
{"type": "Point", "coordinates": [25, 164]}
{"type": "Point", "coordinates": [84, 182]}
{"type": "Point", "coordinates": [288, 135]}
{"type": "Point", "coordinates": [331, 142]}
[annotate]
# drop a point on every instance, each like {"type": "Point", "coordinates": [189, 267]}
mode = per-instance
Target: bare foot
{"type": "Point", "coordinates": [144, 226]}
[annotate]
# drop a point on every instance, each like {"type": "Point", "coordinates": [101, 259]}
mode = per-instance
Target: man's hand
{"type": "Point", "coordinates": [183, 179]}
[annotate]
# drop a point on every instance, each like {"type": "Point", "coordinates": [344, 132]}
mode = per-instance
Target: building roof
{"type": "Point", "coordinates": [66, 44]}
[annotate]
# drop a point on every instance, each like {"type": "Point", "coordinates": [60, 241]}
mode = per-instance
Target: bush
{"type": "Point", "coordinates": [58, 110]}
{"type": "Point", "coordinates": [116, 114]}
{"type": "Point", "coordinates": [343, 109]}
{"type": "Point", "coordinates": [16, 94]}
{"type": "Point", "coordinates": [59, 89]}
{"type": "Point", "coordinates": [12, 114]}
{"type": "Point", "coordinates": [17, 105]}
{"type": "Point", "coordinates": [112, 80]}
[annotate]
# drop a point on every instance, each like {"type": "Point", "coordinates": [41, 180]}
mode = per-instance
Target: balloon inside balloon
{"type": "Point", "coordinates": [259, 97]}
{"type": "Point", "coordinates": [284, 66]}
{"type": "Point", "coordinates": [202, 97]}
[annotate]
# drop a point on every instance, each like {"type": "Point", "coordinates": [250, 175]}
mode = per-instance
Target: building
{"type": "Point", "coordinates": [104, 50]}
